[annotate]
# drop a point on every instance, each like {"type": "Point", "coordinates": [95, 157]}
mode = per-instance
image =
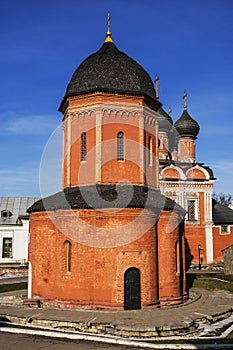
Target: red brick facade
{"type": "Point", "coordinates": [107, 258]}
{"type": "Point", "coordinates": [105, 245]}
{"type": "Point", "coordinates": [96, 276]}
{"type": "Point", "coordinates": [221, 240]}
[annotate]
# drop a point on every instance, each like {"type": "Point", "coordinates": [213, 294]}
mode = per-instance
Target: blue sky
{"type": "Point", "coordinates": [188, 43]}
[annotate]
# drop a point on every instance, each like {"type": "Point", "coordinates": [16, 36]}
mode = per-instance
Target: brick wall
{"type": "Point", "coordinates": [221, 241]}
{"type": "Point", "coordinates": [100, 258]}
{"type": "Point", "coordinates": [101, 118]}
{"type": "Point", "coordinates": [170, 258]}
{"type": "Point", "coordinates": [97, 272]}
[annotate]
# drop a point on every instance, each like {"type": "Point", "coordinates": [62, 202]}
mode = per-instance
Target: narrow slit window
{"type": "Point", "coordinates": [150, 150]}
{"type": "Point", "coordinates": [120, 146]}
{"type": "Point", "coordinates": [83, 146]}
{"type": "Point", "coordinates": [67, 257]}
{"type": "Point", "coordinates": [177, 257]}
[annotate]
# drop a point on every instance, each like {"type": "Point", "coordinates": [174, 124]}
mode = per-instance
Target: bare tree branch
{"type": "Point", "coordinates": [223, 198]}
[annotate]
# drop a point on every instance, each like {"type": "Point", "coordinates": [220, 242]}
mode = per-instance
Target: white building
{"type": "Point", "coordinates": [14, 230]}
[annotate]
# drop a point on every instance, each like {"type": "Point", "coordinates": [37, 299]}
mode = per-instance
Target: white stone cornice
{"type": "Point", "coordinates": [189, 184]}
{"type": "Point", "coordinates": [126, 111]}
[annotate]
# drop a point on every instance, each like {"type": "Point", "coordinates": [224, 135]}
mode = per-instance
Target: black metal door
{"type": "Point", "coordinates": [132, 292]}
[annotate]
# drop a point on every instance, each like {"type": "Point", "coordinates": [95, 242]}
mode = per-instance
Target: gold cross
{"type": "Point", "coordinates": [157, 86]}
{"type": "Point", "coordinates": [108, 34]}
{"type": "Point", "coordinates": [185, 99]}
{"type": "Point", "coordinates": [108, 21]}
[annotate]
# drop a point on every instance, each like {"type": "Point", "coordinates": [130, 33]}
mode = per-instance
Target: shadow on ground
{"type": "Point", "coordinates": [3, 321]}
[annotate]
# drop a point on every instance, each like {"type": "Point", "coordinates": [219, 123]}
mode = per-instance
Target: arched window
{"type": "Point", "coordinates": [150, 150]}
{"type": "Point", "coordinates": [177, 257]}
{"type": "Point", "coordinates": [120, 146]}
{"type": "Point", "coordinates": [67, 254]}
{"type": "Point", "coordinates": [83, 147]}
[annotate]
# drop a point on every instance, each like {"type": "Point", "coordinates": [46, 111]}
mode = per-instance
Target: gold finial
{"type": "Point", "coordinates": [108, 34]}
{"type": "Point", "coordinates": [185, 99]}
{"type": "Point", "coordinates": [170, 112]}
{"type": "Point", "coordinates": [157, 86]}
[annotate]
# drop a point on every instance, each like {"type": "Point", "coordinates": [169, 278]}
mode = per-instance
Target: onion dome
{"type": "Point", "coordinates": [110, 70]}
{"type": "Point", "coordinates": [164, 120]}
{"type": "Point", "coordinates": [186, 125]}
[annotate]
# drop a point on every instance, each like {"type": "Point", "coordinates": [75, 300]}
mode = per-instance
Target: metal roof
{"type": "Point", "coordinates": [17, 206]}
{"type": "Point", "coordinates": [222, 215]}
{"type": "Point", "coordinates": [110, 70]}
{"type": "Point", "coordinates": [89, 197]}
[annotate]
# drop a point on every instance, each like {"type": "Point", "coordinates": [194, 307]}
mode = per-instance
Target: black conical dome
{"type": "Point", "coordinates": [110, 70]}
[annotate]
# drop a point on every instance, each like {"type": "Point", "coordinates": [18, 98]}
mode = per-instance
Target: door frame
{"type": "Point", "coordinates": [130, 304]}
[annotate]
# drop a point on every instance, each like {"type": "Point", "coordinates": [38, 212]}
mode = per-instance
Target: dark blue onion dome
{"type": "Point", "coordinates": [165, 120]}
{"type": "Point", "coordinates": [110, 70]}
{"type": "Point", "coordinates": [186, 125]}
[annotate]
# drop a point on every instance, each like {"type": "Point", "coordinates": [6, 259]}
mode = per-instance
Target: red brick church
{"type": "Point", "coordinates": [109, 239]}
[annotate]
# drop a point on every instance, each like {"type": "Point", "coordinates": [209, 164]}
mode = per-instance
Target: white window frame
{"type": "Point", "coordinates": [196, 209]}
{"type": "Point", "coordinates": [227, 232]}
{"type": "Point", "coordinates": [3, 246]}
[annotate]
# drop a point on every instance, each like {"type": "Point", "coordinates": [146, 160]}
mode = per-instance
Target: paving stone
{"type": "Point", "coordinates": [207, 308]}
